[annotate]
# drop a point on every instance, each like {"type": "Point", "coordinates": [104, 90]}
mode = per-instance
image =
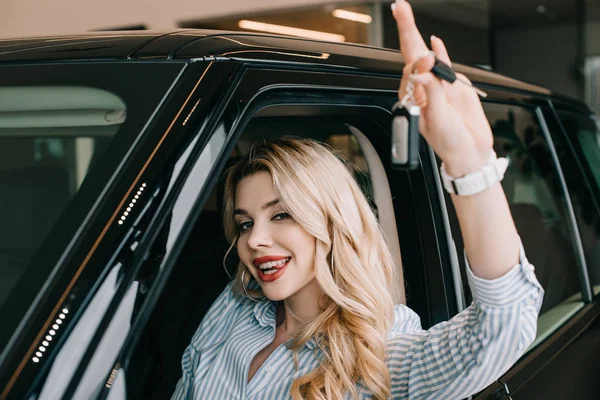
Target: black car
{"type": "Point", "coordinates": [112, 149]}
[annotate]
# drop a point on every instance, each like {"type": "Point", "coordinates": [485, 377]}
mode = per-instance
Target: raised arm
{"type": "Point", "coordinates": [454, 124]}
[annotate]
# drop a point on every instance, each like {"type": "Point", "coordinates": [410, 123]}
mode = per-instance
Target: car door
{"type": "Point", "coordinates": [541, 197]}
{"type": "Point", "coordinates": [569, 372]}
{"type": "Point", "coordinates": [119, 139]}
{"type": "Point", "coordinates": [183, 257]}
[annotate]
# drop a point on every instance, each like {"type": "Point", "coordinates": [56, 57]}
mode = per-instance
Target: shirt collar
{"type": "Point", "coordinates": [265, 313]}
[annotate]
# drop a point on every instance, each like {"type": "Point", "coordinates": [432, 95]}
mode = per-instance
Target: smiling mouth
{"type": "Point", "coordinates": [272, 270]}
{"type": "Point", "coordinates": [271, 267]}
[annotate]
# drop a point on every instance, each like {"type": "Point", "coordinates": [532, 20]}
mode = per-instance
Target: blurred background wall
{"type": "Point", "coordinates": [554, 43]}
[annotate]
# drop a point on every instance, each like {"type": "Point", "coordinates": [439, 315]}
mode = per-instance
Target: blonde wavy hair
{"type": "Point", "coordinates": [352, 264]}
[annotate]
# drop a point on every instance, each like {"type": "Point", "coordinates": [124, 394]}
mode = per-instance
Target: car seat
{"type": "Point", "coordinates": [549, 251]}
{"type": "Point", "coordinates": [546, 245]}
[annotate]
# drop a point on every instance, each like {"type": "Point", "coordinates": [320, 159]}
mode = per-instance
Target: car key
{"type": "Point", "coordinates": [445, 72]}
{"type": "Point", "coordinates": [405, 132]}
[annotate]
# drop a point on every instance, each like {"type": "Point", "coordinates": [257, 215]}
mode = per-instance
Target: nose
{"type": "Point", "coordinates": [260, 236]}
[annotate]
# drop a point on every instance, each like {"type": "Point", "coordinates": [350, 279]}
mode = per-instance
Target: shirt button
{"type": "Point", "coordinates": [268, 369]}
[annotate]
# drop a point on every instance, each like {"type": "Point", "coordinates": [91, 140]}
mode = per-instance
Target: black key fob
{"type": "Point", "coordinates": [443, 71]}
{"type": "Point", "coordinates": [405, 136]}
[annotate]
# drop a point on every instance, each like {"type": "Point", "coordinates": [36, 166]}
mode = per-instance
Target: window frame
{"type": "Point", "coordinates": [559, 133]}
{"type": "Point", "coordinates": [254, 94]}
{"type": "Point", "coordinates": [141, 156]}
{"type": "Point", "coordinates": [537, 112]}
{"type": "Point", "coordinates": [584, 279]}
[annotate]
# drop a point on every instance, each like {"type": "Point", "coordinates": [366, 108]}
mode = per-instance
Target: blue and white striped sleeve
{"type": "Point", "coordinates": [457, 358]}
{"type": "Point", "coordinates": [203, 336]}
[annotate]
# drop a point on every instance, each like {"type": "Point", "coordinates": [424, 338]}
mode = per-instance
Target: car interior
{"type": "Point", "coordinates": [538, 210]}
{"type": "Point", "coordinates": [200, 273]}
{"type": "Point", "coordinates": [49, 137]}
{"type": "Point", "coordinates": [588, 142]}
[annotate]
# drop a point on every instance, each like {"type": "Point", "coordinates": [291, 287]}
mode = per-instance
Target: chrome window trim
{"type": "Point", "coordinates": [459, 290]}
{"type": "Point", "coordinates": [586, 289]}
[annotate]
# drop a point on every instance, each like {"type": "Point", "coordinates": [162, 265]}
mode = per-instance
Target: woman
{"type": "Point", "coordinates": [310, 312]}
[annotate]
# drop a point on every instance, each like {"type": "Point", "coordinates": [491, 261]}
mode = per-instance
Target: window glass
{"type": "Point", "coordinates": [49, 138]}
{"type": "Point", "coordinates": [536, 201]}
{"type": "Point", "coordinates": [584, 134]}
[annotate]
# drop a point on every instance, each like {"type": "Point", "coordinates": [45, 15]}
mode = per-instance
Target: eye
{"type": "Point", "coordinates": [281, 216]}
{"type": "Point", "coordinates": [244, 226]}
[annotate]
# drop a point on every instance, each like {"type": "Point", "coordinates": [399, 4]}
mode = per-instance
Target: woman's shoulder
{"type": "Point", "coordinates": [405, 320]}
{"type": "Point", "coordinates": [228, 302]}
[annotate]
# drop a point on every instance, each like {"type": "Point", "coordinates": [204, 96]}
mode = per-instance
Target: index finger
{"type": "Point", "coordinates": [412, 45]}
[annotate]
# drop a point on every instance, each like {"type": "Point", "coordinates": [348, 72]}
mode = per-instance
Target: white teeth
{"type": "Point", "coordinates": [272, 264]}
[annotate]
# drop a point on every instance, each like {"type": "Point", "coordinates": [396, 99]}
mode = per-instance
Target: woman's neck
{"type": "Point", "coordinates": [300, 308]}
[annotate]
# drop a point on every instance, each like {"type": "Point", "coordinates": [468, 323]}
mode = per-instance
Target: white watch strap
{"type": "Point", "coordinates": [477, 181]}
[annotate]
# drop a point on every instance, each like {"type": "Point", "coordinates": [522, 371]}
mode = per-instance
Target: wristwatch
{"type": "Point", "coordinates": [477, 181]}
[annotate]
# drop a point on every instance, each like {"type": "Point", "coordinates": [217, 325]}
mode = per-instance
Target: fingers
{"type": "Point", "coordinates": [466, 92]}
{"type": "Point", "coordinates": [420, 65]}
{"type": "Point", "coordinates": [407, 71]}
{"type": "Point", "coordinates": [463, 77]}
{"type": "Point", "coordinates": [469, 100]}
{"type": "Point", "coordinates": [412, 45]}
{"type": "Point", "coordinates": [439, 48]}
{"type": "Point", "coordinates": [434, 91]}
{"type": "Point", "coordinates": [424, 63]}
{"type": "Point", "coordinates": [420, 97]}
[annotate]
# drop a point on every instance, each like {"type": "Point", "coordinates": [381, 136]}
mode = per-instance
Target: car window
{"type": "Point", "coordinates": [584, 135]}
{"type": "Point", "coordinates": [71, 135]}
{"type": "Point", "coordinates": [49, 138]}
{"type": "Point", "coordinates": [156, 362]}
{"type": "Point", "coordinates": [537, 204]}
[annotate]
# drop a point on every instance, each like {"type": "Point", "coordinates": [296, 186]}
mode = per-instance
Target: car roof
{"type": "Point", "coordinates": [256, 47]}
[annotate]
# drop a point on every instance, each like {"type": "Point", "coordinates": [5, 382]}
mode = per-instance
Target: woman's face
{"type": "Point", "coordinates": [276, 249]}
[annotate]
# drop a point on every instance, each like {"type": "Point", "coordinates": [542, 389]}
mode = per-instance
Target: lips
{"type": "Point", "coordinates": [262, 260]}
{"type": "Point", "coordinates": [275, 268]}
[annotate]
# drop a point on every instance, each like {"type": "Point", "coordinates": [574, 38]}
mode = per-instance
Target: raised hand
{"type": "Point", "coordinates": [452, 118]}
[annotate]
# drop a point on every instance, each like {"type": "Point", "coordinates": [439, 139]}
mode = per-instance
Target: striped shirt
{"type": "Point", "coordinates": [451, 360]}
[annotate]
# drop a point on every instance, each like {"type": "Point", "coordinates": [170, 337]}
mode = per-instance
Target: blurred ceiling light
{"type": "Point", "coordinates": [288, 30]}
{"type": "Point", "coordinates": [352, 16]}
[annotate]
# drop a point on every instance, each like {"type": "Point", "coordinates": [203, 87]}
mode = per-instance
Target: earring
{"type": "Point", "coordinates": [244, 287]}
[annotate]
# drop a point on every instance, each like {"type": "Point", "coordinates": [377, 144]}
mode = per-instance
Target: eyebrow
{"type": "Point", "coordinates": [241, 211]}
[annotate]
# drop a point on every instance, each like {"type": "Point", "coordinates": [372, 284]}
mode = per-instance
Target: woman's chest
{"type": "Point", "coordinates": [262, 356]}
{"type": "Point", "coordinates": [251, 363]}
